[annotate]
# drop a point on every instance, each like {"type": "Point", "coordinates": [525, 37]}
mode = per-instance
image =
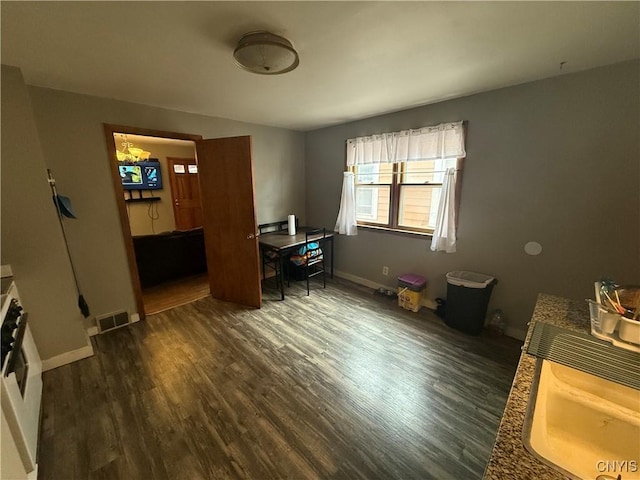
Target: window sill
{"type": "Point", "coordinates": [409, 233]}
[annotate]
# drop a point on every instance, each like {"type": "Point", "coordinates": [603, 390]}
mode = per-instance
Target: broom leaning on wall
{"type": "Point", "coordinates": [64, 209]}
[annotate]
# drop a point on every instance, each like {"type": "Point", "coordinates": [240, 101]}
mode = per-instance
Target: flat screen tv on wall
{"type": "Point", "coordinates": [142, 175]}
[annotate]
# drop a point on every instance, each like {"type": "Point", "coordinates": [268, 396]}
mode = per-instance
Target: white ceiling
{"type": "Point", "coordinates": [357, 59]}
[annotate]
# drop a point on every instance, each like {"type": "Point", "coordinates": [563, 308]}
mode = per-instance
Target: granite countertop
{"type": "Point", "coordinates": [509, 458]}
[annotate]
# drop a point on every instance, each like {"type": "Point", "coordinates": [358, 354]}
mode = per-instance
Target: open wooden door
{"type": "Point", "coordinates": [225, 168]}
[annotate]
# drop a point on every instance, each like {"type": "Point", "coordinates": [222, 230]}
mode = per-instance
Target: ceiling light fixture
{"type": "Point", "coordinates": [265, 53]}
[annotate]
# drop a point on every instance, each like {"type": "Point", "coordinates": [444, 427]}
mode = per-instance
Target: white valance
{"type": "Point", "coordinates": [428, 143]}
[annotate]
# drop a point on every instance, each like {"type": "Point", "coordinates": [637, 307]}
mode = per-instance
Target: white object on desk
{"type": "Point", "coordinates": [292, 224]}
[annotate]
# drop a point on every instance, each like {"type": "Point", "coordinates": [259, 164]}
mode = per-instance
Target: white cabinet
{"type": "Point", "coordinates": [21, 384]}
{"type": "Point", "coordinates": [11, 466]}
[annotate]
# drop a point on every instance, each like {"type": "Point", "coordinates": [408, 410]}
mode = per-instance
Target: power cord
{"type": "Point", "coordinates": [153, 213]}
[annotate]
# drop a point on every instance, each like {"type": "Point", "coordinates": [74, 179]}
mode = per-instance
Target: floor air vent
{"type": "Point", "coordinates": [111, 321]}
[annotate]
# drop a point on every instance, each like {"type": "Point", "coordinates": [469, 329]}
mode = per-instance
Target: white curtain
{"type": "Point", "coordinates": [428, 143]}
{"type": "Point", "coordinates": [444, 234]}
{"type": "Point", "coordinates": [346, 223]}
{"type": "Point", "coordinates": [439, 142]}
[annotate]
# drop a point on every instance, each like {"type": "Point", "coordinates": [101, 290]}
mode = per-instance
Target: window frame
{"type": "Point", "coordinates": [374, 200]}
{"type": "Point", "coordinates": [397, 174]}
{"type": "Point", "coordinates": [374, 192]}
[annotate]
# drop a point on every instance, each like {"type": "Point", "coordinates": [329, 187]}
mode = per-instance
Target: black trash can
{"type": "Point", "coordinates": [468, 296]}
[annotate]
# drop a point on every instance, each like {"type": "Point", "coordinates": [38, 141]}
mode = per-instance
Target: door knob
{"type": "Point", "coordinates": [251, 236]}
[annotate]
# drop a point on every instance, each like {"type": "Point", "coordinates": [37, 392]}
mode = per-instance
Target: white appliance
{"type": "Point", "coordinates": [21, 383]}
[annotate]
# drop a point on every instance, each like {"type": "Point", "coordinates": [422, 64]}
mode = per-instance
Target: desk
{"type": "Point", "coordinates": [284, 243]}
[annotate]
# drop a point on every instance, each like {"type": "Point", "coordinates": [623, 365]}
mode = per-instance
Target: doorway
{"type": "Point", "coordinates": [181, 276]}
{"type": "Point", "coordinates": [148, 221]}
{"type": "Point", "coordinates": [165, 219]}
{"type": "Point", "coordinates": [225, 170]}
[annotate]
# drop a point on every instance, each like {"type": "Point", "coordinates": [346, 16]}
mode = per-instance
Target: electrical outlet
{"type": "Point", "coordinates": [385, 270]}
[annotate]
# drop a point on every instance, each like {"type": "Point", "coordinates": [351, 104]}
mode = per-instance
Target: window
{"type": "Point", "coordinates": [372, 193]}
{"type": "Point", "coordinates": [400, 196]}
{"type": "Point", "coordinates": [367, 203]}
{"type": "Point", "coordinates": [405, 181]}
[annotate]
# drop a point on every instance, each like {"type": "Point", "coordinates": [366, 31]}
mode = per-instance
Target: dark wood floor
{"type": "Point", "coordinates": [338, 385]}
{"type": "Point", "coordinates": [174, 293]}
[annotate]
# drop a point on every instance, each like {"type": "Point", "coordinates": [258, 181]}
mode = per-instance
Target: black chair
{"type": "Point", "coordinates": [271, 257]}
{"type": "Point", "coordinates": [314, 264]}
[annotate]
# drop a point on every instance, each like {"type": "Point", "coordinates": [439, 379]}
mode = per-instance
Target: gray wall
{"type": "Point", "coordinates": [32, 240]}
{"type": "Point", "coordinates": [555, 161]}
{"type": "Point", "coordinates": [74, 145]}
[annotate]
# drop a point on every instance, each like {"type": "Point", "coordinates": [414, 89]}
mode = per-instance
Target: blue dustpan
{"type": "Point", "coordinates": [63, 204]}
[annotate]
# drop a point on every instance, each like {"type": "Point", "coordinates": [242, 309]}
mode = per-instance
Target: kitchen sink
{"type": "Point", "coordinates": [584, 426]}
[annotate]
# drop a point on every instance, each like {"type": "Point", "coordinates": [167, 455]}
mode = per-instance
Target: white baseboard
{"type": "Point", "coordinates": [92, 331]}
{"type": "Point", "coordinates": [67, 357]}
{"type": "Point", "coordinates": [515, 333]}
{"type": "Point", "coordinates": [360, 281]}
{"type": "Point", "coordinates": [426, 302]}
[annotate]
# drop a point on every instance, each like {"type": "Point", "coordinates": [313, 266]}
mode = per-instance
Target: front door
{"type": "Point", "coordinates": [229, 221]}
{"type": "Point", "coordinates": [185, 191]}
